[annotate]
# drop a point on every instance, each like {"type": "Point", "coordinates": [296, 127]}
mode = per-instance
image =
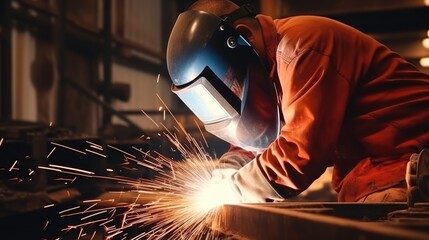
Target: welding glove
{"type": "Point", "coordinates": [247, 184]}
{"type": "Point", "coordinates": [226, 191]}
{"type": "Point", "coordinates": [226, 167]}
{"type": "Point", "coordinates": [253, 186]}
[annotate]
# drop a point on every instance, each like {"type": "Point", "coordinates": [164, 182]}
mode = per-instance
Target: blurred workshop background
{"type": "Point", "coordinates": [91, 73]}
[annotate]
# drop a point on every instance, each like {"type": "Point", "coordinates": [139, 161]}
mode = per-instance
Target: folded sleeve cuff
{"type": "Point", "coordinates": [233, 160]}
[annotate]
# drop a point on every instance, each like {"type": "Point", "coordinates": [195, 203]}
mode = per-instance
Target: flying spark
{"type": "Point", "coordinates": [13, 166]}
{"type": "Point", "coordinates": [180, 202]}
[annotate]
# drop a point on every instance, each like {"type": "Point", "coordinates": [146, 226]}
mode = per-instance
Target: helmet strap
{"type": "Point", "coordinates": [245, 10]}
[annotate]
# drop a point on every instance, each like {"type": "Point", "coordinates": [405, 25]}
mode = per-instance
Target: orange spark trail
{"type": "Point", "coordinates": [162, 207]}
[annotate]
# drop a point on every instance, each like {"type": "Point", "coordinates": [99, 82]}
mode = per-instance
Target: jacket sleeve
{"type": "Point", "coordinates": [314, 98]}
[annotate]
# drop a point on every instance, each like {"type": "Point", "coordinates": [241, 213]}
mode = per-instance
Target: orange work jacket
{"type": "Point", "coordinates": [347, 101]}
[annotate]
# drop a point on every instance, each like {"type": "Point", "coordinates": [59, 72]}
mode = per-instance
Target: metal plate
{"type": "Point", "coordinates": [319, 221]}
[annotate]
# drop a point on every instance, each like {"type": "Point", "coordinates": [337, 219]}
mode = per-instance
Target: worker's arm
{"type": "Point", "coordinates": [315, 95]}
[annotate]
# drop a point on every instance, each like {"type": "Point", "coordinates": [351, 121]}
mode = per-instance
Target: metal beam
{"type": "Point", "coordinates": [292, 222]}
{"type": "Point", "coordinates": [106, 106]}
{"type": "Point", "coordinates": [107, 58]}
{"type": "Point", "coordinates": [60, 43]}
{"type": "Point", "coordinates": [5, 61]}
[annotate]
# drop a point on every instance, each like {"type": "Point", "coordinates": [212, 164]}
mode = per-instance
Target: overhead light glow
{"type": "Point", "coordinates": [424, 62]}
{"type": "Point", "coordinates": [425, 43]}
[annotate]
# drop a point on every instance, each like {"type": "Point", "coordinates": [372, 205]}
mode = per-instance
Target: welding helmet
{"type": "Point", "coordinates": [220, 77]}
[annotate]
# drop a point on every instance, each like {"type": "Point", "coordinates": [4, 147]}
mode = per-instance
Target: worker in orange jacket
{"type": "Point", "coordinates": [297, 95]}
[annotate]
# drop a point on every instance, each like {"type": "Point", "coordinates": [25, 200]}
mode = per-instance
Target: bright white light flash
{"type": "Point", "coordinates": [424, 62]}
{"type": "Point", "coordinates": [215, 194]}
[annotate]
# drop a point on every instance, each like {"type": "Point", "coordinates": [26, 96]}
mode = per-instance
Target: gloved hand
{"type": "Point", "coordinates": [247, 184]}
{"type": "Point", "coordinates": [222, 178]}
{"type": "Point", "coordinates": [218, 191]}
{"type": "Point", "coordinates": [223, 173]}
{"type": "Point", "coordinates": [242, 180]}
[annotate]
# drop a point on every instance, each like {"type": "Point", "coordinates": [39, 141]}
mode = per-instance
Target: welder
{"type": "Point", "coordinates": [294, 96]}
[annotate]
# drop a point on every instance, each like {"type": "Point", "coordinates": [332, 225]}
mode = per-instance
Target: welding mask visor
{"type": "Point", "coordinates": [219, 76]}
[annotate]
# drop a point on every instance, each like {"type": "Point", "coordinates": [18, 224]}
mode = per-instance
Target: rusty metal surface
{"type": "Point", "coordinates": [319, 221]}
